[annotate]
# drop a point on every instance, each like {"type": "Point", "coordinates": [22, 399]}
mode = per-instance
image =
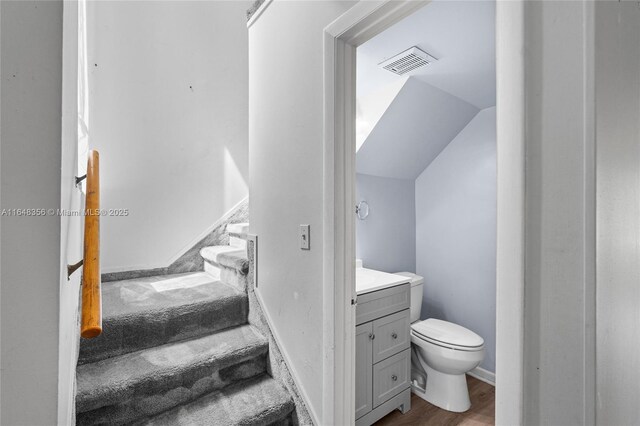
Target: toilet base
{"type": "Point", "coordinates": [447, 391]}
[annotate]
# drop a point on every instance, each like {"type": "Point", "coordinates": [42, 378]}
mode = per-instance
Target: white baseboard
{"type": "Point", "coordinates": [258, 12]}
{"type": "Point", "coordinates": [484, 375]}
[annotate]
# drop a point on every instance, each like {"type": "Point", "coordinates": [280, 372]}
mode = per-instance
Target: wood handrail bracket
{"type": "Point", "coordinates": [91, 322]}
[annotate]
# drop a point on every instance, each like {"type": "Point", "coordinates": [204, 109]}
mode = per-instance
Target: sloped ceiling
{"type": "Point", "coordinates": [399, 136]}
{"type": "Point", "coordinates": [460, 34]}
{"type": "Point", "coordinates": [370, 109]}
{"type": "Point", "coordinates": [418, 124]}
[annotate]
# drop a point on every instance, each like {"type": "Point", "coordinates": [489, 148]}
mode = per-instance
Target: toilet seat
{"type": "Point", "coordinates": [447, 335]}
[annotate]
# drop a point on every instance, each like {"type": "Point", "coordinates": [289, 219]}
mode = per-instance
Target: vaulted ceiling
{"type": "Point", "coordinates": [418, 124]}
{"type": "Point", "coordinates": [404, 122]}
{"type": "Point", "coordinates": [460, 34]}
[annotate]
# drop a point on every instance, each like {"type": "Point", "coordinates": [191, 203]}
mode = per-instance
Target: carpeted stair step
{"type": "Point", "coordinates": [238, 234]}
{"type": "Point", "coordinates": [146, 312]}
{"type": "Point", "coordinates": [229, 264]}
{"type": "Point", "coordinates": [145, 383]}
{"type": "Point", "coordinates": [257, 402]}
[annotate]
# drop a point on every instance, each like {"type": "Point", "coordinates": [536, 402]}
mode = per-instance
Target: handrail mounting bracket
{"type": "Point", "coordinates": [80, 179]}
{"type": "Point", "coordinates": [72, 268]}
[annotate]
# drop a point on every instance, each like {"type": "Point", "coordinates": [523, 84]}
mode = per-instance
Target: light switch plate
{"type": "Point", "coordinates": [305, 235]}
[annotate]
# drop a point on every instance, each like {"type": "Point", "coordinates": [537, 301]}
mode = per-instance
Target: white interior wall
{"type": "Point", "coordinates": [286, 166]}
{"type": "Point", "coordinates": [617, 82]}
{"type": "Point", "coordinates": [168, 101]}
{"type": "Point", "coordinates": [456, 232]}
{"type": "Point", "coordinates": [31, 68]}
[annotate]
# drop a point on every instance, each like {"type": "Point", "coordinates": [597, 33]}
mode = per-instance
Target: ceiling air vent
{"type": "Point", "coordinates": [407, 61]}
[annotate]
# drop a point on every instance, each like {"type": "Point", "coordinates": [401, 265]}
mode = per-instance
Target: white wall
{"type": "Point", "coordinates": [386, 239]}
{"type": "Point", "coordinates": [168, 107]}
{"type": "Point", "coordinates": [286, 164]}
{"type": "Point", "coordinates": [31, 62]}
{"type": "Point", "coordinates": [617, 65]}
{"type": "Point", "coordinates": [456, 232]}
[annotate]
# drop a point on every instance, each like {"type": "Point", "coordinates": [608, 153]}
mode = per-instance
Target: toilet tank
{"type": "Point", "coordinates": [417, 283]}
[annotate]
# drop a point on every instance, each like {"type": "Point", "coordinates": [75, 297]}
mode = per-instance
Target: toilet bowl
{"type": "Point", "coordinates": [446, 352]}
{"type": "Point", "coordinates": [442, 354]}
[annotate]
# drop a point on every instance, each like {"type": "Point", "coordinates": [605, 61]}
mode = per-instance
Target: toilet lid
{"type": "Point", "coordinates": [447, 333]}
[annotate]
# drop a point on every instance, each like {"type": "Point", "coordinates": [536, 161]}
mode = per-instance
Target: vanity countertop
{"type": "Point", "coordinates": [368, 280]}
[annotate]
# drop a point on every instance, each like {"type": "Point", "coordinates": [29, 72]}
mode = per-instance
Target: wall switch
{"type": "Point", "coordinates": [305, 234]}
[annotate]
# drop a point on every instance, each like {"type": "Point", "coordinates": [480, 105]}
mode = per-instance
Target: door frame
{"type": "Point", "coordinates": [341, 38]}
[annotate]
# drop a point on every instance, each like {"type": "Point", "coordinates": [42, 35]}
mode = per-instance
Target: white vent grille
{"type": "Point", "coordinates": [407, 61]}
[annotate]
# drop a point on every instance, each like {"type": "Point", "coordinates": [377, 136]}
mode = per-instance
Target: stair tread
{"type": "Point", "coordinates": [108, 381]}
{"type": "Point", "coordinates": [227, 256]}
{"type": "Point", "coordinates": [159, 293]}
{"type": "Point", "coordinates": [145, 312]}
{"type": "Point", "coordinates": [258, 401]}
{"type": "Point", "coordinates": [238, 228]}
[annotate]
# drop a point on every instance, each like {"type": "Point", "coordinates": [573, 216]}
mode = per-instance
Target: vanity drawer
{"type": "Point", "coordinates": [391, 377]}
{"type": "Point", "coordinates": [391, 335]}
{"type": "Point", "coordinates": [383, 302]}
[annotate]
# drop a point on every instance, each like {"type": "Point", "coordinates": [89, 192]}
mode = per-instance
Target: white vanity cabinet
{"type": "Point", "coordinates": [383, 353]}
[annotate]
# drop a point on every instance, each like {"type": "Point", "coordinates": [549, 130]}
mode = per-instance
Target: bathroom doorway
{"type": "Point", "coordinates": [354, 127]}
{"type": "Point", "coordinates": [426, 200]}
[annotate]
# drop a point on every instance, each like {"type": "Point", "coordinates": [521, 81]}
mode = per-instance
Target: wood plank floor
{"type": "Point", "coordinates": [482, 411]}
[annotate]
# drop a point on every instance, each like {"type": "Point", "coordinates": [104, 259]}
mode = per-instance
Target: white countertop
{"type": "Point", "coordinates": [368, 280]}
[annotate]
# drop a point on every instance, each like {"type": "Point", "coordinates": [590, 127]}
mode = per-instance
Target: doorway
{"type": "Point", "coordinates": [354, 28]}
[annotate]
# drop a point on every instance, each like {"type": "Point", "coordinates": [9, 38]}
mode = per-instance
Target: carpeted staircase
{"type": "Point", "coordinates": [177, 350]}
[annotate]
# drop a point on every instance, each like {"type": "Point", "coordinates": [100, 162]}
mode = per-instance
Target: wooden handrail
{"type": "Point", "coordinates": [91, 324]}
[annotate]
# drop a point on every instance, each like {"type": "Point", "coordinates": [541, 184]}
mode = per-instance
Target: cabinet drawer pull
{"type": "Point", "coordinates": [394, 335]}
{"type": "Point", "coordinates": [372, 336]}
{"type": "Point", "coordinates": [394, 377]}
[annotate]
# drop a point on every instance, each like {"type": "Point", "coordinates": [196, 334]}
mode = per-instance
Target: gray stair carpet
{"type": "Point", "coordinates": [121, 389]}
{"type": "Point", "coordinates": [236, 260]}
{"type": "Point", "coordinates": [257, 402]}
{"type": "Point", "coordinates": [178, 350]}
{"type": "Point", "coordinates": [230, 264]}
{"type": "Point", "coordinates": [145, 312]}
{"type": "Point", "coordinates": [168, 342]}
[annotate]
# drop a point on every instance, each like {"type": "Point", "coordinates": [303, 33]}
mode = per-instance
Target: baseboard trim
{"type": "Point", "coordinates": [261, 8]}
{"type": "Point", "coordinates": [484, 375]}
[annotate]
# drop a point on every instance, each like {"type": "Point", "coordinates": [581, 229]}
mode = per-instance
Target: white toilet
{"type": "Point", "coordinates": [443, 352]}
